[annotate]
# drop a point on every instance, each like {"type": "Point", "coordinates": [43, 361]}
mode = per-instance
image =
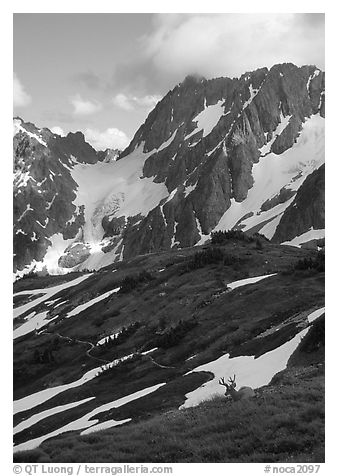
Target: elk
{"type": "Point", "coordinates": [242, 393]}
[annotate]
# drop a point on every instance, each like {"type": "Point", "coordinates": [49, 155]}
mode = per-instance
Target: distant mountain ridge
{"type": "Point", "coordinates": [224, 153]}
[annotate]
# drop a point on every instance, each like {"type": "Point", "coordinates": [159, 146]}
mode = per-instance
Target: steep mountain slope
{"type": "Point", "coordinates": [213, 154]}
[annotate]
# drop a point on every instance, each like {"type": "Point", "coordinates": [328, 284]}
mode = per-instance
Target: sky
{"type": "Point", "coordinates": [103, 73]}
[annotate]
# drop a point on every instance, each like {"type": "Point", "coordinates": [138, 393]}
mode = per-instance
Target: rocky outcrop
{"type": "Point", "coordinates": [283, 196]}
{"type": "Point", "coordinates": [44, 190]}
{"type": "Point", "coordinates": [108, 155]}
{"type": "Point", "coordinates": [306, 211]}
{"type": "Point", "coordinates": [113, 226]}
{"type": "Point", "coordinates": [74, 255]}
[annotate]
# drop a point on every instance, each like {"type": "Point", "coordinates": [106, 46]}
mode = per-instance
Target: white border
{"type": "Point", "coordinates": [105, 6]}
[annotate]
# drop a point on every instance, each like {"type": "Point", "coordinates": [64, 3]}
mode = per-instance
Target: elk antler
{"type": "Point", "coordinates": [222, 382]}
{"type": "Point", "coordinates": [232, 380]}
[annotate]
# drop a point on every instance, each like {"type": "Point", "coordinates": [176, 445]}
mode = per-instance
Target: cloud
{"type": "Point", "coordinates": [111, 138]}
{"type": "Point", "coordinates": [129, 103]}
{"type": "Point", "coordinates": [149, 101]}
{"type": "Point", "coordinates": [84, 107]}
{"type": "Point", "coordinates": [123, 102]}
{"type": "Point", "coordinates": [58, 130]}
{"type": "Point", "coordinates": [20, 97]}
{"type": "Point", "coordinates": [230, 44]}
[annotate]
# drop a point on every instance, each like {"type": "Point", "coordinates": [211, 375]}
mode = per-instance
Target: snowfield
{"type": "Point", "coordinates": [116, 189]}
{"type": "Point", "coordinates": [249, 371]}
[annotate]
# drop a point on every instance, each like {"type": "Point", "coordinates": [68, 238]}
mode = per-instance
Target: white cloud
{"type": "Point", "coordinates": [84, 107]}
{"type": "Point", "coordinates": [20, 97]}
{"type": "Point", "coordinates": [149, 101]}
{"type": "Point", "coordinates": [123, 102]}
{"type": "Point", "coordinates": [58, 130]}
{"type": "Point", "coordinates": [231, 44]}
{"type": "Point", "coordinates": [111, 138]}
{"type": "Point", "coordinates": [129, 103]}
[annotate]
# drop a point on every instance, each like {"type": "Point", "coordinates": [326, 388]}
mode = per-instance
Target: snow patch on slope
{"type": "Point", "coordinates": [284, 121]}
{"type": "Point", "coordinates": [47, 413]}
{"type": "Point", "coordinates": [208, 118]}
{"type": "Point", "coordinates": [244, 282]}
{"type": "Point", "coordinates": [273, 172]}
{"type": "Point", "coordinates": [90, 303]}
{"type": "Point", "coordinates": [305, 237]}
{"type": "Point", "coordinates": [17, 127]}
{"type": "Point", "coordinates": [47, 294]}
{"type": "Point", "coordinates": [248, 370]}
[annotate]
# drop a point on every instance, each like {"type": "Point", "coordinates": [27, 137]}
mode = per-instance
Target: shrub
{"type": "Point", "coordinates": [208, 256]}
{"type": "Point", "coordinates": [176, 333]}
{"type": "Point", "coordinates": [131, 282]}
{"type": "Point", "coordinates": [259, 244]}
{"type": "Point", "coordinates": [221, 237]}
{"type": "Point", "coordinates": [122, 336]}
{"type": "Point", "coordinates": [317, 263]}
{"type": "Point", "coordinates": [30, 275]}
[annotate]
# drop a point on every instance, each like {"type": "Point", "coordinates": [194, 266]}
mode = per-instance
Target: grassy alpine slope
{"type": "Point", "coordinates": [180, 306]}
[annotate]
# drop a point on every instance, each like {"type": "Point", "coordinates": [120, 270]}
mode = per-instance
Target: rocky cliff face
{"type": "Point", "coordinates": [44, 190]}
{"type": "Point", "coordinates": [213, 154]}
{"type": "Point", "coordinates": [307, 210]}
{"type": "Point", "coordinates": [108, 155]}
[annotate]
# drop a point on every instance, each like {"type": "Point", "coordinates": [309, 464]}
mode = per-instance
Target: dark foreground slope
{"type": "Point", "coordinates": [283, 423]}
{"type": "Point", "coordinates": [181, 310]}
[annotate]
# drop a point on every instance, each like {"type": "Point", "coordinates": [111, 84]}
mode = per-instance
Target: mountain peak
{"type": "Point", "coordinates": [194, 78]}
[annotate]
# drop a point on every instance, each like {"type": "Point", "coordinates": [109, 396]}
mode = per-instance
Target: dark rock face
{"type": "Point", "coordinates": [114, 226]}
{"type": "Point", "coordinates": [44, 189]}
{"type": "Point", "coordinates": [282, 197]}
{"type": "Point", "coordinates": [108, 155]}
{"type": "Point", "coordinates": [306, 211]}
{"type": "Point", "coordinates": [74, 255]}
